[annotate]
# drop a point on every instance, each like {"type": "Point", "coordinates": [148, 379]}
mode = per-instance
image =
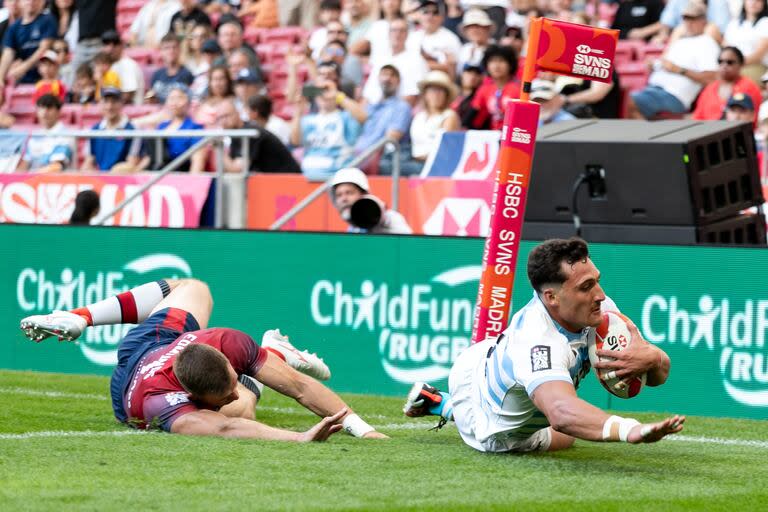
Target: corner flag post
{"type": "Point", "coordinates": [564, 48]}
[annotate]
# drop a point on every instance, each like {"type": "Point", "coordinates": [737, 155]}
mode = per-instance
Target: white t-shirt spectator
{"type": "Point", "coordinates": [49, 148]}
{"type": "Point", "coordinates": [439, 44]}
{"type": "Point", "coordinates": [378, 37]}
{"type": "Point", "coordinates": [317, 41]}
{"type": "Point", "coordinates": [280, 128]}
{"type": "Point", "coordinates": [470, 54]}
{"type": "Point", "coordinates": [698, 53]}
{"type": "Point", "coordinates": [131, 78]}
{"type": "Point", "coordinates": [425, 130]}
{"type": "Point", "coordinates": [154, 21]}
{"type": "Point", "coordinates": [412, 67]}
{"type": "Point", "coordinates": [745, 36]}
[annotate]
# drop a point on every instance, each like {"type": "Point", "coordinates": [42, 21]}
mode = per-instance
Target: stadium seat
{"type": "Point", "coordinates": [140, 110]}
{"type": "Point", "coordinates": [88, 116]}
{"type": "Point", "coordinates": [148, 72]}
{"type": "Point", "coordinates": [70, 113]}
{"type": "Point", "coordinates": [143, 56]}
{"type": "Point", "coordinates": [123, 25]}
{"type": "Point", "coordinates": [252, 35]}
{"type": "Point", "coordinates": [649, 51]}
{"type": "Point", "coordinates": [24, 115]}
{"type": "Point", "coordinates": [633, 75]}
{"type": "Point", "coordinates": [284, 35]}
{"type": "Point", "coordinates": [19, 95]}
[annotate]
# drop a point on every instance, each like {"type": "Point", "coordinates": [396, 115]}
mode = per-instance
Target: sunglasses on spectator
{"type": "Point", "coordinates": [691, 18]}
{"type": "Point", "coordinates": [729, 62]}
{"type": "Point", "coordinates": [431, 12]}
{"type": "Point", "coordinates": [336, 52]}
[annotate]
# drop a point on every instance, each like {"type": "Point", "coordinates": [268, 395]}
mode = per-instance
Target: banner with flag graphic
{"type": "Point", "coordinates": [470, 155]}
{"type": "Point", "coordinates": [576, 50]}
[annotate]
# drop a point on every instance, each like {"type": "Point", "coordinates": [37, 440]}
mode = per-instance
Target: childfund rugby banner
{"type": "Point", "coordinates": [384, 312]}
{"type": "Point", "coordinates": [175, 201]}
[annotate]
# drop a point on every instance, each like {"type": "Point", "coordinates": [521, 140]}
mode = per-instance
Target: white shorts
{"type": "Point", "coordinates": [469, 415]}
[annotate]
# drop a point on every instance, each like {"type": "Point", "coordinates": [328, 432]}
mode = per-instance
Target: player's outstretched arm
{"type": "Point", "coordinates": [638, 358]}
{"type": "Point", "coordinates": [311, 394]}
{"type": "Point", "coordinates": [569, 414]}
{"type": "Point", "coordinates": [211, 423]}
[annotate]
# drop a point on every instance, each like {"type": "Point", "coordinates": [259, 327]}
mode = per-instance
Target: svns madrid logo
{"type": "Point", "coordinates": [587, 61]}
{"type": "Point", "coordinates": [421, 327]}
{"type": "Point", "coordinates": [736, 332]}
{"type": "Point", "coordinates": [40, 291]}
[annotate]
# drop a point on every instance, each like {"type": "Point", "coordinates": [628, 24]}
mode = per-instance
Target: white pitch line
{"type": "Point", "coordinates": [52, 394]}
{"type": "Point", "coordinates": [719, 440]}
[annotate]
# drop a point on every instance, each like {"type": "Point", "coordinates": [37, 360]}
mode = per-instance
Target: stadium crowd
{"type": "Point", "coordinates": [326, 79]}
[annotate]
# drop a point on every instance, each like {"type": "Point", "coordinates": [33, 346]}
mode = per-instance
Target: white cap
{"type": "Point", "coordinates": [542, 90]}
{"type": "Point", "coordinates": [351, 175]}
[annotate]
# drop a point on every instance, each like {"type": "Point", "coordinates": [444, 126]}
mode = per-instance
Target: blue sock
{"type": "Point", "coordinates": [444, 408]}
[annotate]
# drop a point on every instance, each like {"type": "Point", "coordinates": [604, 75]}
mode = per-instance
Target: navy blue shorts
{"type": "Point", "coordinates": [161, 328]}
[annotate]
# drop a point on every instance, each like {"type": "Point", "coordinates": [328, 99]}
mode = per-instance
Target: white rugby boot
{"type": "Point", "coordinates": [299, 360]}
{"type": "Point", "coordinates": [64, 325]}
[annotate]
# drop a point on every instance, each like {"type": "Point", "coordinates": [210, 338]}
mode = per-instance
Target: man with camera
{"type": "Point", "coordinates": [365, 213]}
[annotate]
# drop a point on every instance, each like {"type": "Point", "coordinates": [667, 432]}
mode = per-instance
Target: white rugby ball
{"type": "Point", "coordinates": [613, 334]}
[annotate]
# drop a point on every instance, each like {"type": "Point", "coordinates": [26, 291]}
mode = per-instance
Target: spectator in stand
{"type": "Point", "coordinates": [330, 11]}
{"type": "Point", "coordinates": [87, 206]}
{"type": "Point", "coordinates": [488, 107]}
{"type": "Point", "coordinates": [211, 52]}
{"type": "Point", "coordinates": [749, 33]}
{"type": "Point", "coordinates": [192, 56]}
{"type": "Point", "coordinates": [454, 15]}
{"type": "Point", "coordinates": [688, 64]}
{"type": "Point", "coordinates": [24, 43]}
{"type": "Point", "coordinates": [711, 102]}
{"type": "Point", "coordinates": [263, 13]}
{"type": "Point", "coordinates": [120, 154]}
{"type": "Point", "coordinates": [83, 87]}
{"type": "Point", "coordinates": [390, 117]}
{"type": "Point", "coordinates": [172, 72]}
{"type": "Point", "coordinates": [356, 15]}
{"type": "Point", "coordinates": [104, 74]}
{"type": "Point", "coordinates": [638, 19]}
{"type": "Point", "coordinates": [399, 56]}
{"type": "Point", "coordinates": [496, 11]}
{"type": "Point", "coordinates": [476, 28]}
{"type": "Point", "coordinates": [740, 108]}
{"type": "Point", "coordinates": [67, 20]}
{"type": "Point", "coordinates": [177, 105]}
{"type": "Point", "coordinates": [246, 85]}
{"type": "Point", "coordinates": [329, 135]}
{"type": "Point", "coordinates": [128, 70]}
{"type": "Point", "coordinates": [260, 112]}
{"type": "Point", "coordinates": [672, 24]}
{"type": "Point", "coordinates": [588, 98]}
{"type": "Point", "coordinates": [153, 22]}
{"type": "Point", "coordinates": [437, 93]}
{"type": "Point", "coordinates": [237, 62]}
{"type": "Point", "coordinates": [301, 13]}
{"type": "Point", "coordinates": [375, 42]}
{"type": "Point", "coordinates": [49, 82]}
{"type": "Point", "coordinates": [230, 39]}
{"type": "Point", "coordinates": [187, 18]}
{"type": "Point", "coordinates": [220, 89]}
{"type": "Point", "coordinates": [544, 93]}
{"type": "Point", "coordinates": [350, 67]}
{"type": "Point", "coordinates": [265, 153]}
{"type": "Point", "coordinates": [439, 46]}
{"type": "Point", "coordinates": [12, 13]}
{"type": "Point", "coordinates": [220, 6]}
{"type": "Point", "coordinates": [470, 80]}
{"type": "Point", "coordinates": [94, 18]}
{"type": "Point", "coordinates": [514, 38]}
{"type": "Point", "coordinates": [66, 71]}
{"type": "Point", "coordinates": [49, 151]}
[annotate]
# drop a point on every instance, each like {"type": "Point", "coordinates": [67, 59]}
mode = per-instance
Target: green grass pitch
{"type": "Point", "coordinates": [60, 449]}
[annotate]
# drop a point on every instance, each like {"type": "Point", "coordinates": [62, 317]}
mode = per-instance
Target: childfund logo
{"type": "Point", "coordinates": [736, 332]}
{"type": "Point", "coordinates": [43, 290]}
{"type": "Point", "coordinates": [421, 327]}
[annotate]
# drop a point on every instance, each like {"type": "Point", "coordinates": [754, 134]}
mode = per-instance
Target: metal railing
{"type": "Point", "coordinates": [206, 137]}
{"type": "Point", "coordinates": [390, 146]}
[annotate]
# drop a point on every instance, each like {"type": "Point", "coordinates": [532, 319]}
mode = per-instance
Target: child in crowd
{"type": "Point", "coordinates": [84, 86]}
{"type": "Point", "coordinates": [49, 82]}
{"type": "Point", "coordinates": [104, 75]}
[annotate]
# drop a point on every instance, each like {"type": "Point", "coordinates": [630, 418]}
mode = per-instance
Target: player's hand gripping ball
{"type": "Point", "coordinates": [613, 334]}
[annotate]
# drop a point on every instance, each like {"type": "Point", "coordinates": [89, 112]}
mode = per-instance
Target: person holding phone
{"type": "Point", "coordinates": [328, 135]}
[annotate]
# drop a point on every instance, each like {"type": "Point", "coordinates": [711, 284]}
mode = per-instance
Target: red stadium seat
{"type": "Point", "coordinates": [633, 75]}
{"type": "Point", "coordinates": [285, 35]}
{"type": "Point", "coordinates": [124, 24]}
{"type": "Point", "coordinates": [649, 51]}
{"type": "Point", "coordinates": [143, 56]}
{"type": "Point", "coordinates": [70, 113]}
{"type": "Point", "coordinates": [24, 115]}
{"type": "Point", "coordinates": [140, 110]}
{"type": "Point", "coordinates": [89, 115]}
{"type": "Point", "coordinates": [252, 35]}
{"type": "Point", "coordinates": [148, 72]}
{"type": "Point", "coordinates": [20, 95]}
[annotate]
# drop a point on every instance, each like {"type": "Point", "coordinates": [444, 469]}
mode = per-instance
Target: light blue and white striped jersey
{"type": "Point", "coordinates": [534, 349]}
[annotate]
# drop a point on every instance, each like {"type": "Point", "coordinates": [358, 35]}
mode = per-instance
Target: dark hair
{"type": "Point", "coordinates": [230, 85]}
{"type": "Point", "coordinates": [330, 5]}
{"type": "Point", "coordinates": [56, 13]}
{"type": "Point", "coordinates": [736, 52]}
{"type": "Point", "coordinates": [102, 57]}
{"type": "Point", "coordinates": [60, 40]}
{"type": "Point", "coordinates": [337, 42]}
{"type": "Point", "coordinates": [545, 260]}
{"type": "Point", "coordinates": [503, 52]}
{"type": "Point", "coordinates": [49, 101]}
{"type": "Point", "coordinates": [202, 370]}
{"type": "Point", "coordinates": [260, 104]}
{"type": "Point", "coordinates": [86, 206]}
{"type": "Point", "coordinates": [763, 13]}
{"type": "Point", "coordinates": [330, 64]}
{"type": "Point", "coordinates": [170, 37]}
{"type": "Point", "coordinates": [84, 70]}
{"type": "Point", "coordinates": [391, 68]}
{"type": "Point", "coordinates": [229, 19]}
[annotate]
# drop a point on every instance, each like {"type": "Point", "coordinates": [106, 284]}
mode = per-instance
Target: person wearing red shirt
{"type": "Point", "coordinates": [499, 88]}
{"type": "Point", "coordinates": [176, 374]}
{"type": "Point", "coordinates": [711, 103]}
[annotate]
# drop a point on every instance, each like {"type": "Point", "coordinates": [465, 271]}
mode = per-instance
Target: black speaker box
{"type": "Point", "coordinates": [679, 174]}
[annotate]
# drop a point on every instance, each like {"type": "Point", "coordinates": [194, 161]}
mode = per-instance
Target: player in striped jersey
{"type": "Point", "coordinates": [518, 392]}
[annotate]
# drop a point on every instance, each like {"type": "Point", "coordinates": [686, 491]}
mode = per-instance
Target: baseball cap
{"type": "Point", "coordinates": [477, 68]}
{"type": "Point", "coordinates": [111, 36]}
{"type": "Point", "coordinates": [248, 76]}
{"type": "Point", "coordinates": [695, 9]}
{"type": "Point", "coordinates": [49, 55]}
{"type": "Point", "coordinates": [210, 46]}
{"type": "Point", "coordinates": [741, 100]}
{"type": "Point", "coordinates": [425, 3]}
{"type": "Point", "coordinates": [542, 90]}
{"type": "Point", "coordinates": [112, 92]}
{"type": "Point", "coordinates": [475, 17]}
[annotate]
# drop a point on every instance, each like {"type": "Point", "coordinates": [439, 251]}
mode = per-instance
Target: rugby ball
{"type": "Point", "coordinates": [613, 334]}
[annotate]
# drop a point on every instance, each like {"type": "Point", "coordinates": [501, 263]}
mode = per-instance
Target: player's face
{"type": "Point", "coordinates": [577, 302]}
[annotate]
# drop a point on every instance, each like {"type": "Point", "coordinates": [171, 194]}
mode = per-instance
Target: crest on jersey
{"type": "Point", "coordinates": [540, 358]}
{"type": "Point", "coordinates": [176, 398]}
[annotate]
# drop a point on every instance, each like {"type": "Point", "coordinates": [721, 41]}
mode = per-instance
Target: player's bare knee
{"type": "Point", "coordinates": [196, 288]}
